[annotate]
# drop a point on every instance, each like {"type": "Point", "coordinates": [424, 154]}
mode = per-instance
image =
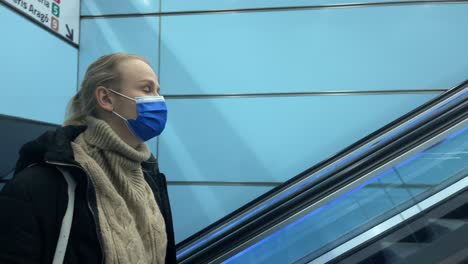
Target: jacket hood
{"type": "Point", "coordinates": [53, 145]}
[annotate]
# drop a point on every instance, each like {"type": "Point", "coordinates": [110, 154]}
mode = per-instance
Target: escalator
{"type": "Point", "coordinates": [437, 235]}
{"type": "Point", "coordinates": [423, 207]}
{"type": "Point", "coordinates": [396, 196]}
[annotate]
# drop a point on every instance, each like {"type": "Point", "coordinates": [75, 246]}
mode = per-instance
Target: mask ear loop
{"type": "Point", "coordinates": [123, 95]}
{"type": "Point", "coordinates": [119, 115]}
{"type": "Point", "coordinates": [126, 123]}
{"type": "Point", "coordinates": [128, 97]}
{"type": "Point", "coordinates": [123, 118]}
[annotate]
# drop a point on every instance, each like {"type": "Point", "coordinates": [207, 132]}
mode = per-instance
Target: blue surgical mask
{"type": "Point", "coordinates": [151, 119]}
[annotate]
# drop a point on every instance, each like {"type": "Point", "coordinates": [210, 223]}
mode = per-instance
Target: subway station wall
{"type": "Point", "coordinates": [37, 69]}
{"type": "Point", "coordinates": [214, 145]}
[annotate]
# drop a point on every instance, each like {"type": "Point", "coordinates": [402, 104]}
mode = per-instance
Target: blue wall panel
{"type": "Point", "coordinates": [373, 48]}
{"type": "Point", "coordinates": [268, 139]}
{"type": "Point", "coordinates": [195, 207]}
{"type": "Point", "coordinates": [38, 70]}
{"type": "Point", "coordinates": [101, 36]}
{"type": "Point", "coordinates": [105, 7]}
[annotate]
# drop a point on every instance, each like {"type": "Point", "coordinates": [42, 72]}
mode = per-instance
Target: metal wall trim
{"type": "Point", "coordinates": [278, 9]}
{"type": "Point", "coordinates": [320, 93]}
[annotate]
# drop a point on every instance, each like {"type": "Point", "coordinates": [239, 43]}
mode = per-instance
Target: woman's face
{"type": "Point", "coordinates": [137, 79]}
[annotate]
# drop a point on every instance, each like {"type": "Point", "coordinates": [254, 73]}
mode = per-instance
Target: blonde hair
{"type": "Point", "coordinates": [102, 72]}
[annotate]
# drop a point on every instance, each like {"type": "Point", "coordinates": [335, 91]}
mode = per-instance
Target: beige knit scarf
{"type": "Point", "coordinates": [131, 223]}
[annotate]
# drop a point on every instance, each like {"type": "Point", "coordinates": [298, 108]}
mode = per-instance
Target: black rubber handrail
{"type": "Point", "coordinates": [26, 120]}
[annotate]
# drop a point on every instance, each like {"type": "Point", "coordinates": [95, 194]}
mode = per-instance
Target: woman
{"type": "Point", "coordinates": [121, 212]}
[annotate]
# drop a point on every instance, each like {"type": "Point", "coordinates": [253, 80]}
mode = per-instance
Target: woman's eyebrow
{"type": "Point", "coordinates": [148, 81]}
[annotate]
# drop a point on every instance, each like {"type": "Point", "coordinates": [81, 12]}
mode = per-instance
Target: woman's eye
{"type": "Point", "coordinates": [147, 89]}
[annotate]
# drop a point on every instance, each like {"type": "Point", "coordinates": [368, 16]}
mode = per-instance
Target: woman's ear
{"type": "Point", "coordinates": [103, 98]}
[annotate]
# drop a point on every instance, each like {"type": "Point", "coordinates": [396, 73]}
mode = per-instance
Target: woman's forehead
{"type": "Point", "coordinates": [136, 71]}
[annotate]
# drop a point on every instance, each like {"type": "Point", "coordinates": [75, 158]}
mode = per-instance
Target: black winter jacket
{"type": "Point", "coordinates": [33, 204]}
